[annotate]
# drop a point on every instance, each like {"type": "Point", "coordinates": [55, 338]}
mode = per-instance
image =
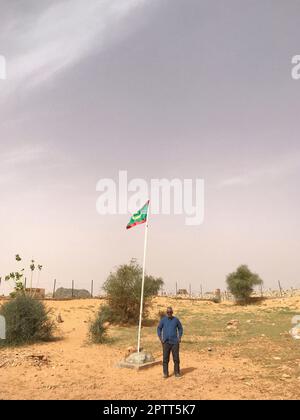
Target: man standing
{"type": "Point", "coordinates": [170, 331]}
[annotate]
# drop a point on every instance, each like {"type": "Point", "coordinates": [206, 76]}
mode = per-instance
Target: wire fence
{"type": "Point", "coordinates": [60, 290]}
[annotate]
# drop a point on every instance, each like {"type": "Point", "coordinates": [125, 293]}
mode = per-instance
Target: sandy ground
{"type": "Point", "coordinates": [73, 369]}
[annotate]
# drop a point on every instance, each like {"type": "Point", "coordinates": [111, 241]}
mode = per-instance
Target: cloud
{"type": "Point", "coordinates": [282, 167]}
{"type": "Point", "coordinates": [57, 37]}
{"type": "Point", "coordinates": [21, 155]}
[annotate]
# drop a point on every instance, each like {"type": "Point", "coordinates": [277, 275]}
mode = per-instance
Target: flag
{"type": "Point", "coordinates": [139, 217]}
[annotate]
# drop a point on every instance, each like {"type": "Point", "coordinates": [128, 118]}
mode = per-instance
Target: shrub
{"type": "Point", "coordinates": [27, 321]}
{"type": "Point", "coordinates": [123, 291]}
{"type": "Point", "coordinates": [241, 283]}
{"type": "Point", "coordinates": [107, 314]}
{"type": "Point", "coordinates": [97, 328]}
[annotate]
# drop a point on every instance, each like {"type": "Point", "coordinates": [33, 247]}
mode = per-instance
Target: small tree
{"type": "Point", "coordinates": [39, 273]}
{"type": "Point", "coordinates": [27, 321]}
{"type": "Point", "coordinates": [241, 283]}
{"type": "Point", "coordinates": [123, 291]}
{"type": "Point", "coordinates": [32, 268]}
{"type": "Point", "coordinates": [97, 328]}
{"type": "Point", "coordinates": [17, 276]}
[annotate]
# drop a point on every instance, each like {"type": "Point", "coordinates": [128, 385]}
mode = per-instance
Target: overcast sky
{"type": "Point", "coordinates": [160, 88]}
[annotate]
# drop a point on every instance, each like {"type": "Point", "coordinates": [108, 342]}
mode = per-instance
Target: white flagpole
{"type": "Point", "coordinates": [143, 280]}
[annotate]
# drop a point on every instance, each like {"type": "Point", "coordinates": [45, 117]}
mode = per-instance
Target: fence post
{"type": "Point", "coordinates": [92, 288]}
{"type": "Point", "coordinates": [72, 288]}
{"type": "Point", "coordinates": [54, 287]}
{"type": "Point", "coordinates": [261, 291]}
{"type": "Point", "coordinates": [280, 289]}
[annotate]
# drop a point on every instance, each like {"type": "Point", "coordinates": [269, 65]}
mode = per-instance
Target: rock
{"type": "Point", "coordinates": [209, 349]}
{"type": "Point", "coordinates": [130, 350]}
{"type": "Point", "coordinates": [140, 358]}
{"type": "Point", "coordinates": [295, 333]}
{"type": "Point", "coordinates": [59, 319]}
{"type": "Point", "coordinates": [38, 358]}
{"type": "Point", "coordinates": [231, 327]}
{"type": "Point", "coordinates": [233, 322]}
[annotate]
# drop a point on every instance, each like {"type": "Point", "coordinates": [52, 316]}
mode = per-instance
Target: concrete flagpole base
{"type": "Point", "coordinates": [139, 361]}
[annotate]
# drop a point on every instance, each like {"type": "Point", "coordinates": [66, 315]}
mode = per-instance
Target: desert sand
{"type": "Point", "coordinates": [222, 364]}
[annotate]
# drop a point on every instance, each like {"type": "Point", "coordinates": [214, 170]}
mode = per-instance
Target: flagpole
{"type": "Point", "coordinates": [143, 280]}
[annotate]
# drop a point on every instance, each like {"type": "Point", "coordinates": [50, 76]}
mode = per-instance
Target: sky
{"type": "Point", "coordinates": [161, 89]}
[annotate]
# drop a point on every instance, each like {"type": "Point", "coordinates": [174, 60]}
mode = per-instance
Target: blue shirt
{"type": "Point", "coordinates": [169, 330]}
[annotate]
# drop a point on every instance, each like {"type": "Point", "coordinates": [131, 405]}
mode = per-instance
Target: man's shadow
{"type": "Point", "coordinates": [186, 371]}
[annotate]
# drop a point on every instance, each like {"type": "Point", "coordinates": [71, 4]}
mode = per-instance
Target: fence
{"type": "Point", "coordinates": [58, 290]}
{"type": "Point", "coordinates": [227, 296]}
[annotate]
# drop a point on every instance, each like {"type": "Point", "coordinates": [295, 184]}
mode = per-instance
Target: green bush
{"type": "Point", "coordinates": [97, 328]}
{"type": "Point", "coordinates": [27, 321]}
{"type": "Point", "coordinates": [241, 283]}
{"type": "Point", "coordinates": [123, 291]}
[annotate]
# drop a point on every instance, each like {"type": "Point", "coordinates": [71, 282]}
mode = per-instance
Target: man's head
{"type": "Point", "coordinates": [169, 312]}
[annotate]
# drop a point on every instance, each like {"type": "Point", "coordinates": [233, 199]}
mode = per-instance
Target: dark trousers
{"type": "Point", "coordinates": [167, 349]}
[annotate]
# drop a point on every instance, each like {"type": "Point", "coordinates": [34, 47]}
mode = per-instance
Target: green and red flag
{"type": "Point", "coordinates": [139, 217]}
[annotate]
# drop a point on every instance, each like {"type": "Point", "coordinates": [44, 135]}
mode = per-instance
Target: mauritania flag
{"type": "Point", "coordinates": [139, 217]}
